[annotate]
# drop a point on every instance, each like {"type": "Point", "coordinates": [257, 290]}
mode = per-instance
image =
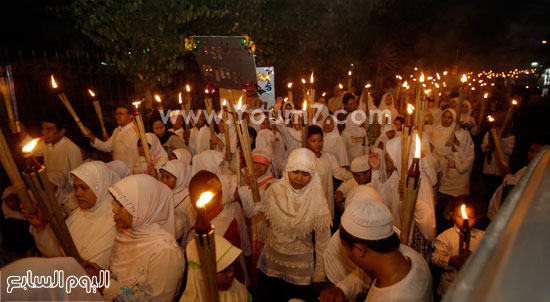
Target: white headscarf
{"type": "Point", "coordinates": [93, 230]}
{"type": "Point", "coordinates": [297, 213]}
{"type": "Point", "coordinates": [334, 143]}
{"type": "Point", "coordinates": [353, 128]}
{"type": "Point", "coordinates": [9, 213]}
{"type": "Point", "coordinates": [441, 134]}
{"type": "Point", "coordinates": [183, 155]}
{"type": "Point", "coordinates": [182, 172]}
{"type": "Point", "coordinates": [226, 254]}
{"type": "Point", "coordinates": [46, 267]}
{"type": "Point", "coordinates": [157, 151]}
{"type": "Point", "coordinates": [391, 107]}
{"type": "Point", "coordinates": [383, 138]}
{"type": "Point", "coordinates": [209, 160]}
{"type": "Point", "coordinates": [120, 168]}
{"type": "Point", "coordinates": [151, 205]}
{"type": "Point", "coordinates": [322, 116]}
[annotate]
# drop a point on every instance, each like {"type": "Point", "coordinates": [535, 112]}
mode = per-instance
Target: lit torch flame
{"type": "Point", "coordinates": [340, 86]}
{"type": "Point", "coordinates": [436, 85]}
{"type": "Point", "coordinates": [285, 100]}
{"type": "Point", "coordinates": [463, 210]}
{"type": "Point", "coordinates": [54, 84]}
{"type": "Point", "coordinates": [136, 104]}
{"type": "Point", "coordinates": [490, 118]}
{"type": "Point", "coordinates": [427, 91]}
{"type": "Point", "coordinates": [486, 95]}
{"type": "Point", "coordinates": [224, 103]}
{"type": "Point", "coordinates": [157, 98]}
{"type": "Point", "coordinates": [445, 73]}
{"type": "Point", "coordinates": [410, 109]}
{"type": "Point", "coordinates": [311, 78]}
{"type": "Point", "coordinates": [91, 92]}
{"type": "Point", "coordinates": [304, 106]}
{"type": "Point", "coordinates": [204, 199]}
{"type": "Point", "coordinates": [349, 73]}
{"type": "Point", "coordinates": [422, 77]}
{"type": "Point", "coordinates": [289, 85]}
{"type": "Point", "coordinates": [437, 75]}
{"type": "Point", "coordinates": [30, 146]}
{"type": "Point", "coordinates": [368, 86]}
{"type": "Point", "coordinates": [303, 81]}
{"type": "Point", "coordinates": [514, 102]}
{"type": "Point", "coordinates": [324, 94]}
{"type": "Point", "coordinates": [206, 91]}
{"type": "Point", "coordinates": [240, 103]}
{"type": "Point", "coordinates": [417, 147]}
{"type": "Point", "coordinates": [187, 88]}
{"type": "Point", "coordinates": [464, 78]}
{"type": "Point", "coordinates": [405, 85]}
{"type": "Point", "coordinates": [179, 98]}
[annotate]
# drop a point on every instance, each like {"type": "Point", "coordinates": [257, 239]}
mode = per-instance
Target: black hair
{"type": "Point", "coordinates": [313, 129]}
{"type": "Point", "coordinates": [129, 108]}
{"type": "Point", "coordinates": [56, 116]}
{"type": "Point", "coordinates": [156, 116]}
{"type": "Point", "coordinates": [348, 96]}
{"type": "Point", "coordinates": [139, 143]}
{"type": "Point", "coordinates": [468, 201]}
{"type": "Point", "coordinates": [386, 245]}
{"type": "Point", "coordinates": [252, 133]}
{"type": "Point", "coordinates": [401, 119]}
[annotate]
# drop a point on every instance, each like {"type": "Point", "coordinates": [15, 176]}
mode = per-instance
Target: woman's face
{"type": "Point", "coordinates": [168, 179]}
{"type": "Point", "coordinates": [447, 119]}
{"type": "Point", "coordinates": [224, 279]}
{"type": "Point", "coordinates": [260, 169]}
{"type": "Point", "coordinates": [123, 219]}
{"type": "Point", "coordinates": [84, 195]}
{"type": "Point", "coordinates": [299, 179]}
{"type": "Point", "coordinates": [465, 109]}
{"type": "Point", "coordinates": [388, 100]}
{"type": "Point", "coordinates": [158, 128]}
{"type": "Point", "coordinates": [328, 125]}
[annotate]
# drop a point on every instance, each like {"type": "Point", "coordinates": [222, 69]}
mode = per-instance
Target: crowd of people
{"type": "Point", "coordinates": [327, 223]}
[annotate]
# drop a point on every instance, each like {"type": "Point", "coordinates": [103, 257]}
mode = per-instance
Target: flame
{"type": "Point", "coordinates": [289, 85]}
{"type": "Point", "coordinates": [311, 78]}
{"type": "Point", "coordinates": [30, 146]}
{"type": "Point", "coordinates": [224, 103]}
{"type": "Point", "coordinates": [418, 146]}
{"type": "Point", "coordinates": [445, 73]}
{"type": "Point", "coordinates": [410, 109]}
{"type": "Point", "coordinates": [514, 102]}
{"type": "Point", "coordinates": [427, 91]}
{"type": "Point", "coordinates": [437, 75]}
{"type": "Point", "coordinates": [464, 78]}
{"type": "Point", "coordinates": [405, 85]}
{"type": "Point", "coordinates": [349, 73]}
{"type": "Point", "coordinates": [437, 85]}
{"type": "Point", "coordinates": [340, 86]}
{"type": "Point", "coordinates": [303, 81]}
{"type": "Point", "coordinates": [187, 88]}
{"type": "Point", "coordinates": [240, 103]}
{"type": "Point", "coordinates": [490, 118]}
{"type": "Point", "coordinates": [179, 98]}
{"type": "Point", "coordinates": [422, 77]}
{"type": "Point", "coordinates": [54, 84]}
{"type": "Point", "coordinates": [324, 94]}
{"type": "Point", "coordinates": [368, 86]}
{"type": "Point", "coordinates": [463, 210]}
{"type": "Point", "coordinates": [285, 100]}
{"type": "Point", "coordinates": [157, 98]}
{"type": "Point", "coordinates": [304, 106]}
{"type": "Point", "coordinates": [486, 95]}
{"type": "Point", "coordinates": [91, 92]}
{"type": "Point", "coordinates": [136, 104]}
{"type": "Point", "coordinates": [206, 91]}
{"type": "Point", "coordinates": [204, 199]}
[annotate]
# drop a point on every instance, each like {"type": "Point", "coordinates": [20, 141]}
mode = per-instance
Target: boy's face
{"type": "Point", "coordinates": [457, 217]}
{"type": "Point", "coordinates": [224, 279]}
{"type": "Point", "coordinates": [362, 178]}
{"type": "Point", "coordinates": [315, 143]}
{"type": "Point", "coordinates": [397, 124]}
{"type": "Point", "coordinates": [50, 133]}
{"type": "Point", "coordinates": [179, 122]}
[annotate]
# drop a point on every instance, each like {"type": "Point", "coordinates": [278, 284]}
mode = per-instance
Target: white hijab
{"type": "Point", "coordinates": [322, 116]}
{"type": "Point", "coordinates": [441, 134]}
{"type": "Point", "coordinates": [209, 160]}
{"type": "Point", "coordinates": [226, 254]}
{"type": "Point", "coordinates": [9, 213]}
{"type": "Point", "coordinates": [384, 136]}
{"type": "Point", "coordinates": [353, 128]}
{"type": "Point", "coordinates": [183, 155]}
{"type": "Point", "coordinates": [181, 171]}
{"type": "Point", "coordinates": [151, 205]}
{"type": "Point", "coordinates": [297, 213]}
{"type": "Point", "coordinates": [391, 107]}
{"type": "Point", "coordinates": [157, 151]}
{"type": "Point", "coordinates": [120, 168]}
{"type": "Point", "coordinates": [93, 230]}
{"type": "Point", "coordinates": [334, 143]}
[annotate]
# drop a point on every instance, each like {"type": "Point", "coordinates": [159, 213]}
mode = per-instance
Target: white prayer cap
{"type": "Point", "coordinates": [367, 219]}
{"type": "Point", "coordinates": [360, 164]}
{"type": "Point", "coordinates": [363, 192]}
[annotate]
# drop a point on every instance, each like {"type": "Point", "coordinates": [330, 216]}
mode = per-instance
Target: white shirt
{"type": "Point", "coordinates": [507, 146]}
{"type": "Point", "coordinates": [447, 245]}
{"type": "Point", "coordinates": [179, 132]}
{"type": "Point", "coordinates": [456, 176]}
{"type": "Point", "coordinates": [199, 139]}
{"type": "Point", "coordinates": [415, 287]}
{"type": "Point", "coordinates": [347, 186]}
{"type": "Point", "coordinates": [64, 156]}
{"type": "Point", "coordinates": [327, 167]}
{"type": "Point", "coordinates": [355, 145]}
{"type": "Point", "coordinates": [123, 145]}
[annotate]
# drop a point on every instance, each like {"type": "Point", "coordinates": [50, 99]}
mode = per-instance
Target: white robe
{"type": "Point", "coordinates": [63, 157]}
{"type": "Point", "coordinates": [123, 145]}
{"type": "Point", "coordinates": [199, 139]}
{"type": "Point", "coordinates": [456, 174]}
{"type": "Point", "coordinates": [335, 144]}
{"type": "Point", "coordinates": [328, 167]}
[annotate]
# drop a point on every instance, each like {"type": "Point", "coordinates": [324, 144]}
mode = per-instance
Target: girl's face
{"type": "Point", "coordinates": [224, 279]}
{"type": "Point", "coordinates": [260, 169]}
{"type": "Point", "coordinates": [429, 118]}
{"type": "Point", "coordinates": [447, 119]}
{"type": "Point", "coordinates": [299, 179]}
{"type": "Point", "coordinates": [459, 220]}
{"type": "Point", "coordinates": [158, 128]}
{"type": "Point", "coordinates": [168, 179]}
{"type": "Point", "coordinates": [84, 195]}
{"type": "Point", "coordinates": [465, 109]}
{"type": "Point", "coordinates": [328, 125]}
{"type": "Point", "coordinates": [123, 219]}
{"type": "Point", "coordinates": [388, 100]}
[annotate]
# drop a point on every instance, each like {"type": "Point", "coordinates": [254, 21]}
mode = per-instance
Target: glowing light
{"type": "Point", "coordinates": [179, 98]}
{"type": "Point", "coordinates": [490, 119]}
{"type": "Point", "coordinates": [410, 109]}
{"type": "Point", "coordinates": [240, 103]}
{"type": "Point", "coordinates": [187, 88]}
{"type": "Point", "coordinates": [445, 73]}
{"type": "Point", "coordinates": [349, 73]}
{"type": "Point", "coordinates": [304, 106]}
{"type": "Point", "coordinates": [324, 94]}
{"type": "Point", "coordinates": [285, 100]}
{"type": "Point", "coordinates": [157, 98]}
{"type": "Point", "coordinates": [486, 95]}
{"type": "Point", "coordinates": [543, 41]}
{"type": "Point", "coordinates": [340, 86]}
{"type": "Point", "coordinates": [368, 86]}
{"type": "Point", "coordinates": [30, 146]}
{"type": "Point", "coordinates": [418, 146]}
{"type": "Point", "coordinates": [303, 81]}
{"type": "Point", "coordinates": [427, 91]}
{"type": "Point", "coordinates": [204, 199]}
{"type": "Point", "coordinates": [405, 85]}
{"type": "Point", "coordinates": [436, 85]}
{"type": "Point", "coordinates": [464, 78]}
{"type": "Point", "coordinates": [136, 104]}
{"type": "Point", "coordinates": [224, 103]}
{"type": "Point", "coordinates": [311, 77]}
{"type": "Point", "coordinates": [422, 77]}
{"type": "Point", "coordinates": [91, 92]}
{"type": "Point", "coordinates": [514, 102]}
{"type": "Point", "coordinates": [289, 85]}
{"type": "Point", "coordinates": [54, 84]}
{"type": "Point", "coordinates": [438, 77]}
{"type": "Point", "coordinates": [463, 210]}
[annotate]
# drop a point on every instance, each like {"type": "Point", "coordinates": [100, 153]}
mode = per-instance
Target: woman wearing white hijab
{"type": "Point", "coordinates": [467, 121]}
{"type": "Point", "coordinates": [388, 132]}
{"type": "Point", "coordinates": [120, 168]}
{"type": "Point", "coordinates": [63, 192]}
{"type": "Point", "coordinates": [441, 136]}
{"type": "Point", "coordinates": [355, 136]}
{"type": "Point", "coordinates": [182, 154]}
{"type": "Point", "coordinates": [424, 212]}
{"type": "Point", "coordinates": [45, 267]}
{"type": "Point", "coordinates": [387, 103]}
{"type": "Point", "coordinates": [146, 262]}
{"type": "Point", "coordinates": [158, 155]}
{"type": "Point", "coordinates": [456, 174]}
{"type": "Point", "coordinates": [91, 226]}
{"type": "Point", "coordinates": [333, 142]}
{"type": "Point", "coordinates": [229, 289]}
{"type": "Point", "coordinates": [319, 117]}
{"type": "Point", "coordinates": [296, 209]}
{"type": "Point", "coordinates": [176, 175]}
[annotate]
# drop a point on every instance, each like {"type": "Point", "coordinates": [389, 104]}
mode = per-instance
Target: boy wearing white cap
{"type": "Point", "coordinates": [399, 273]}
{"type": "Point", "coordinates": [361, 171]}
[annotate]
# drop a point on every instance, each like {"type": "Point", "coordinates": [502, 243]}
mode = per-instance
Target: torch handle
{"type": "Point", "coordinates": [143, 137]}
{"type": "Point", "coordinates": [70, 108]}
{"type": "Point", "coordinates": [206, 249]}
{"type": "Point", "coordinates": [412, 186]}
{"type": "Point", "coordinates": [97, 108]}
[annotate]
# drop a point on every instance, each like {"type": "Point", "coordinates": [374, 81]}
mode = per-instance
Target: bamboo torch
{"type": "Point", "coordinates": [206, 247]}
{"type": "Point", "coordinates": [406, 145]}
{"type": "Point", "coordinates": [186, 106]}
{"type": "Point", "coordinates": [412, 186]}
{"type": "Point", "coordinates": [97, 108]}
{"type": "Point", "coordinates": [208, 105]}
{"type": "Point", "coordinates": [405, 100]}
{"type": "Point", "coordinates": [226, 127]}
{"type": "Point", "coordinates": [289, 86]}
{"type": "Point", "coordinates": [508, 116]}
{"type": "Point", "coordinates": [8, 92]}
{"type": "Point", "coordinates": [483, 109]}
{"type": "Point", "coordinates": [461, 95]}
{"type": "Point", "coordinates": [13, 173]}
{"type": "Point", "coordinates": [497, 140]}
{"type": "Point", "coordinates": [349, 80]}
{"type": "Point", "coordinates": [304, 124]}
{"type": "Point", "coordinates": [138, 120]}
{"type": "Point", "coordinates": [418, 99]}
{"type": "Point", "coordinates": [464, 234]}
{"type": "Point", "coordinates": [69, 107]}
{"type": "Point", "coordinates": [436, 94]}
{"type": "Point", "coordinates": [37, 179]}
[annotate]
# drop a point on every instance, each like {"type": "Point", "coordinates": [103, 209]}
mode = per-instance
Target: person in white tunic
{"type": "Point", "coordinates": [327, 165]}
{"type": "Point", "coordinates": [199, 136]}
{"type": "Point", "coordinates": [181, 154]}
{"type": "Point", "coordinates": [176, 175]}
{"type": "Point", "coordinates": [460, 160]}
{"type": "Point", "coordinates": [333, 142]}
{"type": "Point", "coordinates": [387, 106]}
{"type": "Point", "coordinates": [292, 136]}
{"type": "Point", "coordinates": [123, 142]}
{"type": "Point", "coordinates": [91, 226]}
{"type": "Point", "coordinates": [355, 136]}
{"type": "Point", "coordinates": [147, 264]}
{"type": "Point", "coordinates": [229, 288]}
